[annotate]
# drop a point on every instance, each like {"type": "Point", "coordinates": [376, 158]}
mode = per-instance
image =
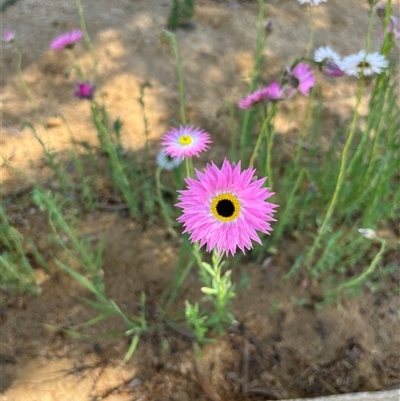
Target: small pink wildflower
{"type": "Point", "coordinates": [224, 208]}
{"type": "Point", "coordinates": [300, 78]}
{"type": "Point", "coordinates": [8, 36]}
{"type": "Point", "coordinates": [275, 92]}
{"type": "Point", "coordinates": [185, 141]}
{"type": "Point", "coordinates": [85, 90]}
{"type": "Point", "coordinates": [66, 40]}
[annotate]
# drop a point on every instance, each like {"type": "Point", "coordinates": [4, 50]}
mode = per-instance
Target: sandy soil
{"type": "Point", "coordinates": [279, 349]}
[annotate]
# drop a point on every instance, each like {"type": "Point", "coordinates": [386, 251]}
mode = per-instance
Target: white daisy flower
{"type": "Point", "coordinates": [326, 54]}
{"type": "Point", "coordinates": [312, 2]}
{"type": "Point", "coordinates": [167, 162]}
{"type": "Point", "coordinates": [364, 64]}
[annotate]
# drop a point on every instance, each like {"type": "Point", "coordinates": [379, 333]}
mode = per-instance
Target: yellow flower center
{"type": "Point", "coordinates": [225, 207]}
{"type": "Point", "coordinates": [185, 140]}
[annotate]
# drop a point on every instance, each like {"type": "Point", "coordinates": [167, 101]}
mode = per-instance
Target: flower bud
{"type": "Point", "coordinates": [331, 69]}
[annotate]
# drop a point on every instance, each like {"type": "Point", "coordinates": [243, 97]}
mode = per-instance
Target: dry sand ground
{"type": "Point", "coordinates": [294, 349]}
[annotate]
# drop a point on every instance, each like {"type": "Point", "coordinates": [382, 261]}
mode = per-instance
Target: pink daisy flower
{"type": "Point", "coordinates": [84, 90]}
{"type": "Point", "coordinates": [185, 141]}
{"type": "Point", "coordinates": [224, 207]}
{"type": "Point", "coordinates": [66, 40]}
{"type": "Point", "coordinates": [300, 78]}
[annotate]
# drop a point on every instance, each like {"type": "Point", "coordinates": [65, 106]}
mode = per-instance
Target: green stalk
{"type": "Point", "coordinates": [145, 123]}
{"type": "Point", "coordinates": [118, 173]}
{"type": "Point", "coordinates": [259, 139]}
{"type": "Point", "coordinates": [25, 86]}
{"type": "Point", "coordinates": [361, 278]}
{"type": "Point", "coordinates": [87, 39]}
{"type": "Point", "coordinates": [189, 167]}
{"type": "Point", "coordinates": [312, 31]}
{"type": "Point", "coordinates": [376, 91]}
{"type": "Point", "coordinates": [270, 140]}
{"type": "Point", "coordinates": [339, 183]}
{"type": "Point", "coordinates": [305, 127]}
{"type": "Point", "coordinates": [285, 216]}
{"type": "Point", "coordinates": [77, 67]}
{"type": "Point", "coordinates": [182, 98]}
{"type": "Point", "coordinates": [164, 211]}
{"type": "Point", "coordinates": [369, 29]}
{"type": "Point", "coordinates": [261, 41]}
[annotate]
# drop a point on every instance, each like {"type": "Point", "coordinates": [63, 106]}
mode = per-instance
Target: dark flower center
{"type": "Point", "coordinates": [293, 81]}
{"type": "Point", "coordinates": [225, 208]}
{"type": "Point", "coordinates": [363, 64]}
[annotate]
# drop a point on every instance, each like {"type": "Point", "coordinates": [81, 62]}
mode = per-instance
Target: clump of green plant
{"type": "Point", "coordinates": [16, 270]}
{"type": "Point", "coordinates": [182, 14]}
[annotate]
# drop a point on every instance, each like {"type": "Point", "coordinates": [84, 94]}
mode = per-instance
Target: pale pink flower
{"type": "Point", "coordinates": [394, 26]}
{"type": "Point", "coordinates": [8, 36]}
{"type": "Point", "coordinates": [66, 40]}
{"type": "Point", "coordinates": [312, 2]}
{"type": "Point", "coordinates": [223, 208]}
{"type": "Point", "coordinates": [185, 141]}
{"type": "Point", "coordinates": [167, 162]}
{"type": "Point", "coordinates": [300, 78]}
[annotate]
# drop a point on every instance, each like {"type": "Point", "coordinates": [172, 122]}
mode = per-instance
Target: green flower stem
{"type": "Point", "coordinates": [25, 86]}
{"type": "Point", "coordinates": [244, 133]}
{"type": "Point", "coordinates": [145, 122]}
{"type": "Point", "coordinates": [164, 211]}
{"type": "Point", "coordinates": [234, 133]}
{"type": "Point", "coordinates": [77, 67]}
{"type": "Point", "coordinates": [270, 140]}
{"type": "Point", "coordinates": [261, 41]}
{"type": "Point", "coordinates": [356, 282]}
{"type": "Point", "coordinates": [182, 98]}
{"type": "Point", "coordinates": [118, 173]}
{"type": "Point", "coordinates": [286, 214]}
{"type": "Point", "coordinates": [312, 31]}
{"type": "Point", "coordinates": [339, 183]}
{"type": "Point", "coordinates": [87, 39]}
{"type": "Point", "coordinates": [388, 40]}
{"type": "Point", "coordinates": [189, 167]}
{"type": "Point", "coordinates": [376, 92]}
{"type": "Point", "coordinates": [197, 254]}
{"type": "Point", "coordinates": [259, 139]}
{"type": "Point", "coordinates": [304, 129]}
{"type": "Point", "coordinates": [369, 29]}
